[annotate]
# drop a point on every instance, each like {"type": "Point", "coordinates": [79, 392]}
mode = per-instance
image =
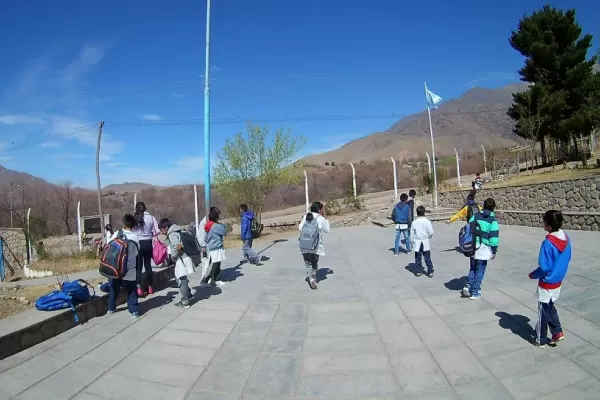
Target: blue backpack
{"type": "Point", "coordinates": [467, 238]}
{"type": "Point", "coordinates": [71, 294]}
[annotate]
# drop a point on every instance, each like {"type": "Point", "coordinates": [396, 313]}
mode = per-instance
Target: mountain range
{"type": "Point", "coordinates": [478, 117]}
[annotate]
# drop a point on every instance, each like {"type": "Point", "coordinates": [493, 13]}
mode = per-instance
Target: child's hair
{"type": "Point", "coordinates": [140, 209]}
{"type": "Point", "coordinates": [420, 211]}
{"type": "Point", "coordinates": [478, 175]}
{"type": "Point", "coordinates": [553, 219]}
{"type": "Point", "coordinates": [109, 228]}
{"type": "Point", "coordinates": [213, 216]}
{"type": "Point", "coordinates": [412, 193]}
{"type": "Point", "coordinates": [164, 223]}
{"type": "Point", "coordinates": [489, 204]}
{"type": "Point", "coordinates": [403, 197]}
{"type": "Point", "coordinates": [215, 209]}
{"type": "Point", "coordinates": [316, 207]}
{"type": "Point", "coordinates": [128, 221]}
{"type": "Point", "coordinates": [244, 207]}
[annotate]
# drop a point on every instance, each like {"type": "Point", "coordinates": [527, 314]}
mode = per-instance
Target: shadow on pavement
{"type": "Point", "coordinates": [157, 301]}
{"type": "Point", "coordinates": [517, 324]}
{"type": "Point", "coordinates": [322, 274]}
{"type": "Point", "coordinates": [456, 283]}
{"type": "Point", "coordinates": [412, 268]}
{"type": "Point", "coordinates": [273, 243]}
{"type": "Point", "coordinates": [231, 274]}
{"type": "Point", "coordinates": [456, 249]}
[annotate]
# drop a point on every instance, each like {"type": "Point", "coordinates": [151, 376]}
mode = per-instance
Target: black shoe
{"type": "Point", "coordinates": [430, 274]}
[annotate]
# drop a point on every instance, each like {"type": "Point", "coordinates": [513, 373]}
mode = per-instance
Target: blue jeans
{"type": "Point", "coordinates": [476, 273]}
{"type": "Point", "coordinates": [406, 234]}
{"type": "Point", "coordinates": [427, 255]}
{"type": "Point", "coordinates": [132, 298]}
{"type": "Point", "coordinates": [249, 254]}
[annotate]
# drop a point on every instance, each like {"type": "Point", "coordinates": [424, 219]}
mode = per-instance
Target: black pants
{"type": "Point", "coordinates": [145, 262]}
{"type": "Point", "coordinates": [311, 262]}
{"type": "Point", "coordinates": [427, 254]}
{"type": "Point", "coordinates": [547, 318]}
{"type": "Point", "coordinates": [214, 272]}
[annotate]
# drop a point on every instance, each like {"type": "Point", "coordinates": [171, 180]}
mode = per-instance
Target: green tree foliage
{"type": "Point", "coordinates": [250, 165]}
{"type": "Point", "coordinates": [555, 61]}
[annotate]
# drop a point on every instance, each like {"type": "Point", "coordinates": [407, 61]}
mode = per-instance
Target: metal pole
{"type": "Point", "coordinates": [428, 163]}
{"type": "Point", "coordinates": [395, 179]}
{"type": "Point", "coordinates": [100, 126]}
{"type": "Point", "coordinates": [28, 237]}
{"type": "Point", "coordinates": [196, 206]}
{"type": "Point", "coordinates": [306, 191]}
{"type": "Point", "coordinates": [11, 205]}
{"type": "Point", "coordinates": [353, 179]}
{"type": "Point", "coordinates": [435, 193]}
{"type": "Point", "coordinates": [79, 226]}
{"type": "Point", "coordinates": [207, 115]}
{"type": "Point", "coordinates": [484, 160]}
{"type": "Point", "coordinates": [134, 201]}
{"type": "Point", "coordinates": [457, 168]}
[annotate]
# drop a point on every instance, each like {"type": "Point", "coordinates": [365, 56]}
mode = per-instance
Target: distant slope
{"type": "Point", "coordinates": [128, 187]}
{"type": "Point", "coordinates": [477, 117]}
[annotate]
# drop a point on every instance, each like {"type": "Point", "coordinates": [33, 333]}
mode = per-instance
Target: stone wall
{"type": "Point", "coordinates": [579, 200]}
{"type": "Point", "coordinates": [15, 247]}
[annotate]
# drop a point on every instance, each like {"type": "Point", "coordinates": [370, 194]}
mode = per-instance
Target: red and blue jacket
{"type": "Point", "coordinates": [553, 260]}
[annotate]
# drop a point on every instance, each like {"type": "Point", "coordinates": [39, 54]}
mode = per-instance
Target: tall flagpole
{"type": "Point", "coordinates": [207, 115]}
{"type": "Point", "coordinates": [435, 192]}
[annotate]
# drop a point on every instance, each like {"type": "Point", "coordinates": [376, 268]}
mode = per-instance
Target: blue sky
{"type": "Point", "coordinates": [139, 66]}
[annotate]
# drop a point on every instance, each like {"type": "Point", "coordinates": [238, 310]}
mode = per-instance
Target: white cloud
{"type": "Point", "coordinates": [88, 57]}
{"type": "Point", "coordinates": [180, 171]}
{"type": "Point", "coordinates": [493, 76]}
{"type": "Point", "coordinates": [20, 119]}
{"type": "Point", "coordinates": [151, 117]}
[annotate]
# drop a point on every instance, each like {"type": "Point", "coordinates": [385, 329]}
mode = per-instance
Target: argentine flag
{"type": "Point", "coordinates": [432, 98]}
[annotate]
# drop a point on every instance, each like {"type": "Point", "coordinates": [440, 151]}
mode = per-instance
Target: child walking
{"type": "Point", "coordinates": [402, 216]}
{"type": "Point", "coordinates": [487, 236]}
{"type": "Point", "coordinates": [216, 251]}
{"type": "Point", "coordinates": [422, 232]}
{"type": "Point", "coordinates": [312, 227]}
{"type": "Point", "coordinates": [553, 264]}
{"type": "Point", "coordinates": [129, 280]}
{"type": "Point", "coordinates": [184, 264]}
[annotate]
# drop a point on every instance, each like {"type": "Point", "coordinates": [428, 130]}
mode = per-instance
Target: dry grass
{"type": "Point", "coordinates": [10, 306]}
{"type": "Point", "coordinates": [61, 265]}
{"type": "Point", "coordinates": [547, 175]}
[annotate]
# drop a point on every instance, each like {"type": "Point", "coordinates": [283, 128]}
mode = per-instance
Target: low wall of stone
{"type": "Point", "coordinates": [579, 200]}
{"type": "Point", "coordinates": [59, 322]}
{"type": "Point", "coordinates": [15, 247]}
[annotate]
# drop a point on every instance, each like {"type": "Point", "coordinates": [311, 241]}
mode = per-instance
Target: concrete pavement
{"type": "Point", "coordinates": [373, 330]}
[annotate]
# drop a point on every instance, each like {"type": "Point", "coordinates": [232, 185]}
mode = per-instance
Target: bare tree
{"type": "Point", "coordinates": [64, 196]}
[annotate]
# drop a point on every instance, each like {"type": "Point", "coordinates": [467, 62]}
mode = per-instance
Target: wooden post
{"type": "Point", "coordinates": [100, 126]}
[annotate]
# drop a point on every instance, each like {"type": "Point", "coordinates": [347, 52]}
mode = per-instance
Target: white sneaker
{"type": "Point", "coordinates": [313, 283]}
{"type": "Point", "coordinates": [220, 283]}
{"type": "Point", "coordinates": [465, 292]}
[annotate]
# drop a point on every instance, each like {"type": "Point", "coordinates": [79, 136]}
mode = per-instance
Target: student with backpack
{"type": "Point", "coordinates": [553, 264]}
{"type": "Point", "coordinates": [249, 225]}
{"type": "Point", "coordinates": [402, 216]}
{"type": "Point", "coordinates": [128, 242]}
{"type": "Point", "coordinates": [312, 227]}
{"type": "Point", "coordinates": [467, 211]}
{"type": "Point", "coordinates": [146, 228]}
{"type": "Point", "coordinates": [186, 254]}
{"type": "Point", "coordinates": [216, 250]}
{"type": "Point", "coordinates": [485, 232]}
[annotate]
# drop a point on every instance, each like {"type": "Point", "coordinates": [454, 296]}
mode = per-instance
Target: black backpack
{"type": "Point", "coordinates": [256, 229]}
{"type": "Point", "coordinates": [472, 209]}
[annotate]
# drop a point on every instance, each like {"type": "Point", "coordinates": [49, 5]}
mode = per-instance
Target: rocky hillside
{"type": "Point", "coordinates": [475, 118]}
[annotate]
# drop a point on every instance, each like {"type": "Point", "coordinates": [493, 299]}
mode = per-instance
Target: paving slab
{"type": "Point", "coordinates": [372, 330]}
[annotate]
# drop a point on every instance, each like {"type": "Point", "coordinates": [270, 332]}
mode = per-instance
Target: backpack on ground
{"type": "Point", "coordinates": [256, 229]}
{"type": "Point", "coordinates": [114, 256]}
{"type": "Point", "coordinates": [71, 294]}
{"type": "Point", "coordinates": [467, 238]}
{"type": "Point", "coordinates": [309, 235]}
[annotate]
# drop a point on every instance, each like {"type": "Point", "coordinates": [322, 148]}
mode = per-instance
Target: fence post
{"type": "Point", "coordinates": [79, 225]}
{"type": "Point", "coordinates": [353, 179]}
{"type": "Point", "coordinates": [306, 191]}
{"type": "Point", "coordinates": [196, 207]}
{"type": "Point", "coordinates": [395, 179]}
{"type": "Point", "coordinates": [29, 253]}
{"type": "Point", "coordinates": [457, 168]}
{"type": "Point", "coordinates": [134, 201]}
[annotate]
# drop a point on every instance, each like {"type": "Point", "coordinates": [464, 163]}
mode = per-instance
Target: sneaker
{"type": "Point", "coordinates": [465, 292]}
{"type": "Point", "coordinates": [313, 283]}
{"type": "Point", "coordinates": [150, 290]}
{"type": "Point", "coordinates": [220, 283]}
{"type": "Point", "coordinates": [475, 296]}
{"type": "Point", "coordinates": [109, 312]}
{"type": "Point", "coordinates": [140, 292]}
{"type": "Point", "coordinates": [135, 314]}
{"type": "Point", "coordinates": [397, 254]}
{"type": "Point", "coordinates": [430, 274]}
{"type": "Point", "coordinates": [538, 344]}
{"type": "Point", "coordinates": [409, 252]}
{"type": "Point", "coordinates": [417, 274]}
{"type": "Point", "coordinates": [557, 338]}
{"type": "Point", "coordinates": [183, 304]}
